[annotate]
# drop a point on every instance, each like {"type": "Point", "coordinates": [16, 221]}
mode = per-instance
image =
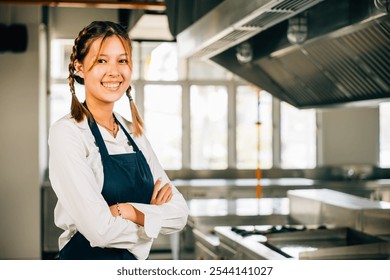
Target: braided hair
{"type": "Point", "coordinates": [96, 30]}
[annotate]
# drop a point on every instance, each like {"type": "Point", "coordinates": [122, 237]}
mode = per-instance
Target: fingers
{"type": "Point", "coordinates": [156, 188]}
{"type": "Point", "coordinates": [114, 210]}
{"type": "Point", "coordinates": [163, 195]}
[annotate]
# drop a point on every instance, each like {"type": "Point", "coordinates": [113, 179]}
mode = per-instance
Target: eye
{"type": "Point", "coordinates": [101, 60]}
{"type": "Point", "coordinates": [123, 61]}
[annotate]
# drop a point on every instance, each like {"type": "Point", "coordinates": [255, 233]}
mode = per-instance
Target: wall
{"type": "Point", "coordinates": [66, 23]}
{"type": "Point", "coordinates": [349, 136]}
{"type": "Point", "coordinates": [22, 107]}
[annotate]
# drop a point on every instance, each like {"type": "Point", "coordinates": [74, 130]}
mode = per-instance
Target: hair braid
{"type": "Point", "coordinates": [138, 122]}
{"type": "Point", "coordinates": [78, 111]}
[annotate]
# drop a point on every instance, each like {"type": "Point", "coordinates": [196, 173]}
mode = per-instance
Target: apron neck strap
{"type": "Point", "coordinates": [98, 137]}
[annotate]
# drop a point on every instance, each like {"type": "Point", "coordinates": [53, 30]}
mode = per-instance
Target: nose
{"type": "Point", "coordinates": [113, 75]}
{"type": "Point", "coordinates": [113, 70]}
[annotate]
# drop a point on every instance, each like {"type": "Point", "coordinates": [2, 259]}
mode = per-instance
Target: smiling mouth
{"type": "Point", "coordinates": [111, 85]}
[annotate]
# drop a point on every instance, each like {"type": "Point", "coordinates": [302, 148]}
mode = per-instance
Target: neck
{"type": "Point", "coordinates": [101, 112]}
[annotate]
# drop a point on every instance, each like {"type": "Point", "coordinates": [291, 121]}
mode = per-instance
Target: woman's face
{"type": "Point", "coordinates": [110, 77]}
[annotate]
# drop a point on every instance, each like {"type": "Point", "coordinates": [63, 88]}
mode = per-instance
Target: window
{"type": "Point", "coordinates": [199, 69]}
{"type": "Point", "coordinates": [136, 60]}
{"type": "Point", "coordinates": [247, 135]}
{"type": "Point", "coordinates": [298, 137]}
{"type": "Point", "coordinates": [208, 127]}
{"type": "Point", "coordinates": [384, 142]}
{"type": "Point", "coordinates": [60, 58]}
{"type": "Point", "coordinates": [163, 123]}
{"type": "Point", "coordinates": [160, 61]}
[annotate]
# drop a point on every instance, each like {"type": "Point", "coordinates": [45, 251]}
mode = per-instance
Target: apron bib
{"type": "Point", "coordinates": [127, 178]}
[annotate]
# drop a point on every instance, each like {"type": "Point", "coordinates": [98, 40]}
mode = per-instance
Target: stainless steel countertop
{"type": "Point", "coordinates": [244, 182]}
{"type": "Point", "coordinates": [287, 182]}
{"type": "Point", "coordinates": [205, 214]}
{"type": "Point", "coordinates": [338, 199]}
{"type": "Point", "coordinates": [238, 207]}
{"type": "Point", "coordinates": [278, 187]}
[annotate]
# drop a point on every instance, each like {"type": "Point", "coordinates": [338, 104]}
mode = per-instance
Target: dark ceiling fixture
{"type": "Point", "coordinates": [382, 5]}
{"type": "Point", "coordinates": [297, 30]}
{"type": "Point", "coordinates": [17, 38]}
{"type": "Point", "coordinates": [244, 53]}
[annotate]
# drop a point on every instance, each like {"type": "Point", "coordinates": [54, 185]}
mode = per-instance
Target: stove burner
{"type": "Point", "coordinates": [274, 229]}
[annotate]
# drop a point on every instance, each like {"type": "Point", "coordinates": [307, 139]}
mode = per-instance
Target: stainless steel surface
{"type": "Point", "coordinates": [205, 214]}
{"type": "Point", "coordinates": [322, 224]}
{"type": "Point", "coordinates": [232, 22]}
{"type": "Point", "coordinates": [275, 187]}
{"type": "Point", "coordinates": [324, 206]}
{"type": "Point", "coordinates": [236, 247]}
{"type": "Point", "coordinates": [207, 245]}
{"type": "Point", "coordinates": [311, 243]}
{"type": "Point", "coordinates": [343, 62]}
{"type": "Point", "coordinates": [337, 243]}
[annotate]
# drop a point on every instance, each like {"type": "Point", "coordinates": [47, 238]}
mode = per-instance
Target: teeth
{"type": "Point", "coordinates": [111, 85]}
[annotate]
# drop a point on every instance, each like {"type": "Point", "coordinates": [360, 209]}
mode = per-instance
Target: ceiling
{"type": "Point", "coordinates": [146, 20]}
{"type": "Point", "coordinates": [148, 5]}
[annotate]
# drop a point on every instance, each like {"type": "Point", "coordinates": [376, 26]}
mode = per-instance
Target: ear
{"type": "Point", "coordinates": [79, 69]}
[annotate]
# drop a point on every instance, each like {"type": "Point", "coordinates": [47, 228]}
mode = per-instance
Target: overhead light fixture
{"type": "Point", "coordinates": [297, 29]}
{"type": "Point", "coordinates": [382, 5]}
{"type": "Point", "coordinates": [244, 53]}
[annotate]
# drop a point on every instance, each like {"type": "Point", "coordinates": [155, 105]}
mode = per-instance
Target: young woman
{"type": "Point", "coordinates": [114, 197]}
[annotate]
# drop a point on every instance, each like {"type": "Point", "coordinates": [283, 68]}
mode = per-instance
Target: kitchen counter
{"type": "Point", "coordinates": [206, 214]}
{"type": "Point", "coordinates": [324, 206]}
{"type": "Point", "coordinates": [325, 243]}
{"type": "Point", "coordinates": [212, 212]}
{"type": "Point", "coordinates": [277, 187]}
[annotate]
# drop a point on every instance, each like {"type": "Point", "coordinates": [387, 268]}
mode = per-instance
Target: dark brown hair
{"type": "Point", "coordinates": [81, 47]}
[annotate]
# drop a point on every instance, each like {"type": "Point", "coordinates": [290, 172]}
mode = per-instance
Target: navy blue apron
{"type": "Point", "coordinates": [127, 178]}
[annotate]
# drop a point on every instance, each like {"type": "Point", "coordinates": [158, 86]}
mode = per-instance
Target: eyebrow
{"type": "Point", "coordinates": [123, 54]}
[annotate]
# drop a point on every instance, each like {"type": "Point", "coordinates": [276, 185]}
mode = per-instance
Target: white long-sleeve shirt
{"type": "Point", "coordinates": [76, 176]}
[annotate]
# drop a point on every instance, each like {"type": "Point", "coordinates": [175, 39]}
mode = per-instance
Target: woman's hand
{"type": "Point", "coordinates": [163, 195]}
{"type": "Point", "coordinates": [128, 212]}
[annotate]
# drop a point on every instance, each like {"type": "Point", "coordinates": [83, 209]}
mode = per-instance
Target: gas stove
{"type": "Point", "coordinates": [299, 242]}
{"type": "Point", "coordinates": [266, 229]}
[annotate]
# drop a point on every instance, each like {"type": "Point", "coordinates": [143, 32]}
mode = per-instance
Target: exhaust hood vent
{"type": "Point", "coordinates": [343, 58]}
{"type": "Point", "coordinates": [233, 22]}
{"type": "Point", "coordinates": [350, 65]}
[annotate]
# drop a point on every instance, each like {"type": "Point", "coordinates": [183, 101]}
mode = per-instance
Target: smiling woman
{"type": "Point", "coordinates": [114, 197]}
{"type": "Point", "coordinates": [106, 76]}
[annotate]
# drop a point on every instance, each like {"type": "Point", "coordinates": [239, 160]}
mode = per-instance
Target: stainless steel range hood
{"type": "Point", "coordinates": [345, 59]}
{"type": "Point", "coordinates": [233, 22]}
